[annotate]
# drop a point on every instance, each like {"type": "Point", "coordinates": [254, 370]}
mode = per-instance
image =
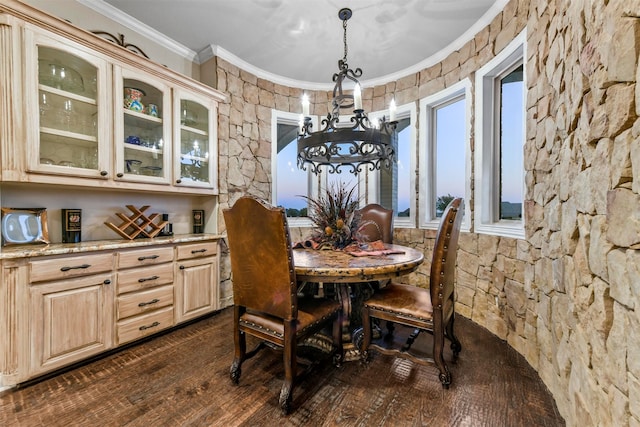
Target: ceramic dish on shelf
{"type": "Point", "coordinates": [133, 99]}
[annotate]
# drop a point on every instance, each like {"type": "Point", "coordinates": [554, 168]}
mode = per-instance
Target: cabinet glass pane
{"type": "Point", "coordinates": [194, 141]}
{"type": "Point", "coordinates": [143, 130]}
{"type": "Point", "coordinates": [68, 110]}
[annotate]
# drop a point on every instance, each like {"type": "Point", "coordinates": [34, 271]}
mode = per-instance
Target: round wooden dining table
{"type": "Point", "coordinates": [352, 276]}
{"type": "Point", "coordinates": [334, 266]}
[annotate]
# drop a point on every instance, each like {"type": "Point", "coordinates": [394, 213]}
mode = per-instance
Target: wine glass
{"type": "Point", "coordinates": [66, 115]}
{"type": "Point", "coordinates": [44, 108]}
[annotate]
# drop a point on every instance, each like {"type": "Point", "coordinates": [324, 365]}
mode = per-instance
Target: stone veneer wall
{"type": "Point", "coordinates": [568, 296]}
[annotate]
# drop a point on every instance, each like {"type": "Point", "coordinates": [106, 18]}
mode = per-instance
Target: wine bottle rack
{"type": "Point", "coordinates": [137, 224]}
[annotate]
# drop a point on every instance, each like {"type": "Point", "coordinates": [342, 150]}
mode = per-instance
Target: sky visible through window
{"type": "Point", "coordinates": [450, 126]}
{"type": "Point", "coordinates": [292, 182]}
{"type": "Point", "coordinates": [403, 157]}
{"type": "Point", "coordinates": [512, 127]}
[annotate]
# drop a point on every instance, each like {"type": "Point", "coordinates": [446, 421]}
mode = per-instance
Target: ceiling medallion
{"type": "Point", "coordinates": [354, 145]}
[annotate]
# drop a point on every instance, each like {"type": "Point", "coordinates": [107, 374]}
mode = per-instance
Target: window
{"type": "Point", "coordinates": [395, 188]}
{"type": "Point", "coordinates": [500, 130]}
{"type": "Point", "coordinates": [445, 155]}
{"type": "Point", "coordinates": [289, 182]}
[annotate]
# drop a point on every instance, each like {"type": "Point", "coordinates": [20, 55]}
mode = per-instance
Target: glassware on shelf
{"type": "Point", "coordinates": [151, 170]}
{"type": "Point", "coordinates": [45, 108]}
{"type": "Point", "coordinates": [188, 117]}
{"type": "Point", "coordinates": [133, 166]}
{"type": "Point", "coordinates": [60, 77]}
{"type": "Point", "coordinates": [67, 118]}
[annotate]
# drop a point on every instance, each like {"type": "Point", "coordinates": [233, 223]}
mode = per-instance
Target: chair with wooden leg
{"type": "Point", "coordinates": [266, 303]}
{"type": "Point", "coordinates": [424, 310]}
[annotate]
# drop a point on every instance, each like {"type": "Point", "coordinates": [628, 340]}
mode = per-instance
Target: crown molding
{"type": "Point", "coordinates": [212, 50]}
{"type": "Point", "coordinates": [108, 11]}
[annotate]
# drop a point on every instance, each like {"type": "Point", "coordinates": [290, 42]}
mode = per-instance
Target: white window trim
{"type": "Point", "coordinates": [373, 192]}
{"type": "Point", "coordinates": [428, 166]}
{"type": "Point", "coordinates": [485, 156]}
{"type": "Point", "coordinates": [285, 117]}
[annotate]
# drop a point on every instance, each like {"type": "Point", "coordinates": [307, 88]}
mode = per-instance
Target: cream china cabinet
{"type": "Point", "coordinates": [71, 124]}
{"type": "Point", "coordinates": [78, 111]}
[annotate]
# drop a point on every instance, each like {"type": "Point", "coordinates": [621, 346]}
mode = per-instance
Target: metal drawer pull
{"type": "Point", "coordinates": [76, 267]}
{"type": "Point", "coordinates": [195, 251]}
{"type": "Point", "coordinates": [144, 279]}
{"type": "Point", "coordinates": [142, 258]}
{"type": "Point", "coordinates": [153, 301]}
{"type": "Point", "coordinates": [153, 325]}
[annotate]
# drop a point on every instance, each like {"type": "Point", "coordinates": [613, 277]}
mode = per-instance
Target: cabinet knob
{"type": "Point", "coordinates": [104, 173]}
{"type": "Point", "coordinates": [182, 267]}
{"type": "Point", "coordinates": [119, 174]}
{"type": "Point", "coordinates": [107, 282]}
{"type": "Point", "coordinates": [178, 181]}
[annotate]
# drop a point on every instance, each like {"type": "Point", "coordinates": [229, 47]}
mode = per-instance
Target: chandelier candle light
{"type": "Point", "coordinates": [352, 145]}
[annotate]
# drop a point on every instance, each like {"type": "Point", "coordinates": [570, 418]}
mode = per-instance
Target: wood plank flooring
{"type": "Point", "coordinates": [182, 379]}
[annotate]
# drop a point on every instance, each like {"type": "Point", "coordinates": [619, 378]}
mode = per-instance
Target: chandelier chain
{"type": "Point", "coordinates": [344, 39]}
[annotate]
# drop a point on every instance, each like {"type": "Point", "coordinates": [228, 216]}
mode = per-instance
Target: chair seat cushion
{"type": "Point", "coordinates": [406, 300]}
{"type": "Point", "coordinates": [312, 312]}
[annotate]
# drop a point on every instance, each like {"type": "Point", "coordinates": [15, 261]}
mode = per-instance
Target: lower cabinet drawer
{"type": "Point", "coordinates": [147, 324]}
{"type": "Point", "coordinates": [144, 301]}
{"type": "Point", "coordinates": [197, 250]}
{"type": "Point", "coordinates": [137, 279]}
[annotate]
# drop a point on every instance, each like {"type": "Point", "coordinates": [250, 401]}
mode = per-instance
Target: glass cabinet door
{"type": "Point", "coordinates": [69, 138]}
{"type": "Point", "coordinates": [196, 156]}
{"type": "Point", "coordinates": [143, 128]}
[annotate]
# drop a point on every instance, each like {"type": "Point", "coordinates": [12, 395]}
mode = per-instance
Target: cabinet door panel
{"type": "Point", "coordinates": [71, 319]}
{"type": "Point", "coordinates": [196, 288]}
{"type": "Point", "coordinates": [66, 96]}
{"type": "Point", "coordinates": [195, 140]}
{"type": "Point", "coordinates": [143, 136]}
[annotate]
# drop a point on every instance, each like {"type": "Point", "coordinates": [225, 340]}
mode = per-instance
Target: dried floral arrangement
{"type": "Point", "coordinates": [334, 215]}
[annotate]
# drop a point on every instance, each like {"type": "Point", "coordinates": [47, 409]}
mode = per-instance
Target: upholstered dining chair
{"type": "Point", "coordinates": [266, 303]}
{"type": "Point", "coordinates": [377, 223]}
{"type": "Point", "coordinates": [430, 310]}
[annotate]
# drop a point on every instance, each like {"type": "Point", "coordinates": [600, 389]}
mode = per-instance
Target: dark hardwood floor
{"type": "Point", "coordinates": [182, 379]}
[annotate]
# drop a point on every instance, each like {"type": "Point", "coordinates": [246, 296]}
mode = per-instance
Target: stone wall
{"type": "Point", "coordinates": [568, 296]}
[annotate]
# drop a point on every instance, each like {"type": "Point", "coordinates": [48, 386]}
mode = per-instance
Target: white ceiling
{"type": "Point", "coordinates": [301, 40]}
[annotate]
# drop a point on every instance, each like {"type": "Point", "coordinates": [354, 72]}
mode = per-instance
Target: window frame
{"type": "Point", "coordinates": [372, 178]}
{"type": "Point", "coordinates": [487, 142]}
{"type": "Point", "coordinates": [428, 155]}
{"type": "Point", "coordinates": [287, 118]}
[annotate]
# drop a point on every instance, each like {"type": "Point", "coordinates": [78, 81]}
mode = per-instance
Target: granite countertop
{"type": "Point", "coordinates": [39, 249]}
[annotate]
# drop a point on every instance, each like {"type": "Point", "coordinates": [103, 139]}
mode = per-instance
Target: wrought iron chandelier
{"type": "Point", "coordinates": [355, 144]}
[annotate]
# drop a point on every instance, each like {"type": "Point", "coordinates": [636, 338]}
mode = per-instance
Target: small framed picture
{"type": "Point", "coordinates": [71, 225]}
{"type": "Point", "coordinates": [24, 225]}
{"type": "Point", "coordinates": [198, 221]}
